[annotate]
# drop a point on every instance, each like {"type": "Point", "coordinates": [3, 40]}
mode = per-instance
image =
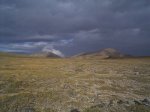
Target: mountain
{"type": "Point", "coordinates": [46, 55]}
{"type": "Point", "coordinates": [105, 53]}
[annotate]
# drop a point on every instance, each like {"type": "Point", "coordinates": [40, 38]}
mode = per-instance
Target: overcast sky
{"type": "Point", "coordinates": [72, 26]}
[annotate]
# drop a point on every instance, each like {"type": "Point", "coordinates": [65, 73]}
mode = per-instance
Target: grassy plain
{"type": "Point", "coordinates": [70, 85]}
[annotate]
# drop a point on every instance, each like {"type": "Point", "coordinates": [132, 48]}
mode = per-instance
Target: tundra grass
{"type": "Point", "coordinates": [30, 84]}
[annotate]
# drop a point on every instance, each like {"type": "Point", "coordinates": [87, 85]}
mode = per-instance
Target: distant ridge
{"type": "Point", "coordinates": [11, 54]}
{"type": "Point", "coordinates": [45, 55]}
{"type": "Point", "coordinates": [105, 53]}
{"type": "Point", "coordinates": [39, 54]}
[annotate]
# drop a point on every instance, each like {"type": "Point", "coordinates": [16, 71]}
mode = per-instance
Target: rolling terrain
{"type": "Point", "coordinates": [45, 55]}
{"type": "Point", "coordinates": [93, 84]}
{"type": "Point", "coordinates": [104, 54]}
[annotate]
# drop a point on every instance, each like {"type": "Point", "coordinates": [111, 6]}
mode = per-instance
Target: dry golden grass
{"type": "Point", "coordinates": [59, 85]}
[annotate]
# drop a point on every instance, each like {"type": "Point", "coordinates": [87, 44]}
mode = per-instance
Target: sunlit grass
{"type": "Point", "coordinates": [59, 85]}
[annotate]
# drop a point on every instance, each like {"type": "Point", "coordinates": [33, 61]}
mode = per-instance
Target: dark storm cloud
{"type": "Point", "coordinates": [74, 26]}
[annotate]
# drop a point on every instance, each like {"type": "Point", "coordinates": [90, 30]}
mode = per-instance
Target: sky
{"type": "Point", "coordinates": [69, 27]}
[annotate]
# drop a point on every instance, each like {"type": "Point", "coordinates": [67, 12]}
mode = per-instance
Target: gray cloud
{"type": "Point", "coordinates": [74, 26]}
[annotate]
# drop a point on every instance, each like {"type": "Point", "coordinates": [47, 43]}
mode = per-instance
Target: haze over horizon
{"type": "Point", "coordinates": [68, 27]}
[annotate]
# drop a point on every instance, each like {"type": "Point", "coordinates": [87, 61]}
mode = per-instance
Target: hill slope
{"type": "Point", "coordinates": [105, 53]}
{"type": "Point", "coordinates": [46, 55]}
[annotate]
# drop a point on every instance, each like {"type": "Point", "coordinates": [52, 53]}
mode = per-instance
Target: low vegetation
{"type": "Point", "coordinates": [74, 85]}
